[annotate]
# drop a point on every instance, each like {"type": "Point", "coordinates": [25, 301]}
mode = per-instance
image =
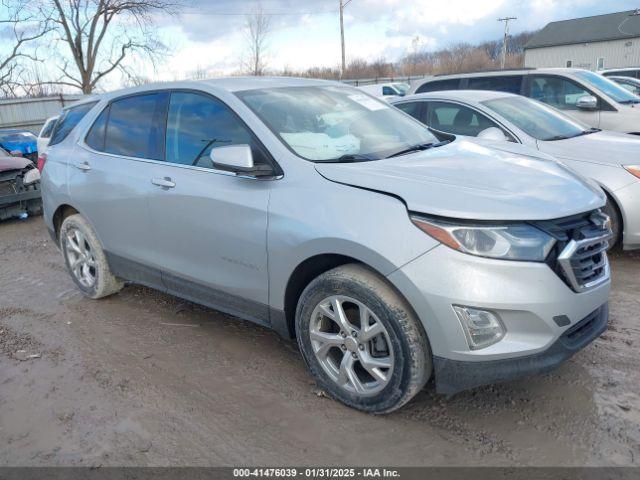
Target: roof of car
{"type": "Point", "coordinates": [231, 84]}
{"type": "Point", "coordinates": [494, 73]}
{"type": "Point", "coordinates": [462, 95]}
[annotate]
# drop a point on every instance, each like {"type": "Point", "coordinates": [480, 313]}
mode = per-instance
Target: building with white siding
{"type": "Point", "coordinates": [593, 43]}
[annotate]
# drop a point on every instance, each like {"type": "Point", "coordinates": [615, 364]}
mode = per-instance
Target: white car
{"type": "Point", "coordinates": [45, 134]}
{"type": "Point", "coordinates": [391, 89]}
{"type": "Point", "coordinates": [611, 159]}
{"type": "Point", "coordinates": [584, 95]}
{"type": "Point", "coordinates": [630, 83]}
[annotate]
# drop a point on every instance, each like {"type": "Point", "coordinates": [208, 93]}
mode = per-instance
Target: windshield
{"type": "Point", "coordinates": [333, 123]}
{"type": "Point", "coordinates": [606, 86]}
{"type": "Point", "coordinates": [536, 119]}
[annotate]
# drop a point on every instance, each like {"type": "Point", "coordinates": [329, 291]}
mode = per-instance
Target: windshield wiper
{"type": "Point", "coordinates": [350, 158]}
{"type": "Point", "coordinates": [419, 147]}
{"type": "Point", "coordinates": [588, 131]}
{"type": "Point", "coordinates": [629, 102]}
{"type": "Point", "coordinates": [557, 137]}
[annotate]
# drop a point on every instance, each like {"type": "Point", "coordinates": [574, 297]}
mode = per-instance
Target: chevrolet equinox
{"type": "Point", "coordinates": [310, 207]}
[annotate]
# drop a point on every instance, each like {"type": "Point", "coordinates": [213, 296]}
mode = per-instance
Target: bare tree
{"type": "Point", "coordinates": [19, 28]}
{"type": "Point", "coordinates": [100, 34]}
{"type": "Point", "coordinates": [258, 28]}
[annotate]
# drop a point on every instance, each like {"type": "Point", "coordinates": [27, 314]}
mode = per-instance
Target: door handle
{"type": "Point", "coordinates": [165, 182]}
{"type": "Point", "coordinates": [84, 166]}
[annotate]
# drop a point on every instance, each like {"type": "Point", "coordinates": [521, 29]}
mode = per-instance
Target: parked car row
{"type": "Point", "coordinates": [392, 252]}
{"type": "Point", "coordinates": [587, 96]}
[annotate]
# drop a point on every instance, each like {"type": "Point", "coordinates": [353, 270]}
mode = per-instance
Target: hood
{"type": "Point", "coordinates": [13, 163]}
{"type": "Point", "coordinates": [471, 181]}
{"type": "Point", "coordinates": [605, 148]}
{"type": "Point", "coordinates": [25, 146]}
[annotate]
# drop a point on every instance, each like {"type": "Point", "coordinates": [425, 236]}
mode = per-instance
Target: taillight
{"type": "Point", "coordinates": [42, 159]}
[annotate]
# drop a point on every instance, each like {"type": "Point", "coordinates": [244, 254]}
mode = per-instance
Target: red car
{"type": "Point", "coordinates": [19, 187]}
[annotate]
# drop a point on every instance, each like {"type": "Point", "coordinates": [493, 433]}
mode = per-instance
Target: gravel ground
{"type": "Point", "coordinates": [142, 378]}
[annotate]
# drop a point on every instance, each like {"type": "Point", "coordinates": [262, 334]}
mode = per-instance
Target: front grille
{"type": "Point", "coordinates": [580, 258]}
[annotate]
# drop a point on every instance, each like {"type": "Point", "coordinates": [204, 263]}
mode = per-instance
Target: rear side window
{"type": "Point", "coordinates": [510, 84]}
{"type": "Point", "coordinates": [48, 128]}
{"type": "Point", "coordinates": [95, 137]}
{"type": "Point", "coordinates": [197, 124]}
{"type": "Point", "coordinates": [68, 120]}
{"type": "Point", "coordinates": [457, 119]}
{"type": "Point", "coordinates": [438, 85]}
{"type": "Point", "coordinates": [135, 127]}
{"type": "Point", "coordinates": [412, 108]}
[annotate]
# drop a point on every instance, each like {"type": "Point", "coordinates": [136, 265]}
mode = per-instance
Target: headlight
{"type": "Point", "coordinates": [633, 169]}
{"type": "Point", "coordinates": [510, 241]}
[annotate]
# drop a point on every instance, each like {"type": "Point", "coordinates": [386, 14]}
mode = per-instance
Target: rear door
{"type": "Point", "coordinates": [109, 179]}
{"type": "Point", "coordinates": [210, 224]}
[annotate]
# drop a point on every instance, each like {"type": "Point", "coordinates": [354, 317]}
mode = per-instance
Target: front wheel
{"type": "Point", "coordinates": [361, 340]}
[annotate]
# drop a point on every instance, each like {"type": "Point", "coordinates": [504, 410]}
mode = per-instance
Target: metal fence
{"type": "Point", "coordinates": [31, 113]}
{"type": "Point", "coordinates": [372, 81]}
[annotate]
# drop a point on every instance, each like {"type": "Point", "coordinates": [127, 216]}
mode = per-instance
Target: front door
{"type": "Point", "coordinates": [563, 94]}
{"type": "Point", "coordinates": [210, 225]}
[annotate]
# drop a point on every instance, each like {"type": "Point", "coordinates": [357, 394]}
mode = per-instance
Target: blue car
{"type": "Point", "coordinates": [22, 141]}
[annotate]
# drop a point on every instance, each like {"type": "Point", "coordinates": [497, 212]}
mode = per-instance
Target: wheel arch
{"type": "Point", "coordinates": [309, 269]}
{"type": "Point", "coordinates": [616, 204]}
{"type": "Point", "coordinates": [63, 211]}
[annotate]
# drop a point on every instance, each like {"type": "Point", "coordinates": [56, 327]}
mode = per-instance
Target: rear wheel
{"type": "Point", "coordinates": [85, 259]}
{"type": "Point", "coordinates": [361, 340]}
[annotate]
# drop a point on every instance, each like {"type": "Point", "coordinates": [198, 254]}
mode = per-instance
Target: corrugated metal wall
{"type": "Point", "coordinates": [31, 113]}
{"type": "Point", "coordinates": [616, 54]}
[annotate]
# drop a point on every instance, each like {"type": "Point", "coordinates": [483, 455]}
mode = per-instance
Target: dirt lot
{"type": "Point", "coordinates": [146, 379]}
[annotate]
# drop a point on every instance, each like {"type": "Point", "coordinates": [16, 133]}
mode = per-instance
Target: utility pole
{"type": "Point", "coordinates": [506, 37]}
{"type": "Point", "coordinates": [342, 5]}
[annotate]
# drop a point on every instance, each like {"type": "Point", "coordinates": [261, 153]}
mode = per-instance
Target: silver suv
{"type": "Point", "coordinates": [332, 217]}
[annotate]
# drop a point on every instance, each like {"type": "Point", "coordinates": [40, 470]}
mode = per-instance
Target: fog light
{"type": "Point", "coordinates": [481, 327]}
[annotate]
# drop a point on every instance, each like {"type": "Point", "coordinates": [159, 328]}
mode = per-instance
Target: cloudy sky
{"type": "Point", "coordinates": [210, 34]}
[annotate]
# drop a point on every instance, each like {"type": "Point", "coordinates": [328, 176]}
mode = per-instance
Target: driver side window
{"type": "Point", "coordinates": [458, 119]}
{"type": "Point", "coordinates": [558, 92]}
{"type": "Point", "coordinates": [197, 123]}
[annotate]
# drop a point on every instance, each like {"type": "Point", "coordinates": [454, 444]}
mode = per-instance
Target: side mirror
{"type": "Point", "coordinates": [493, 134]}
{"type": "Point", "coordinates": [587, 102]}
{"type": "Point", "coordinates": [239, 159]}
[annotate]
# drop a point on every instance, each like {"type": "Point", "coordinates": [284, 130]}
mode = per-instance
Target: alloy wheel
{"type": "Point", "coordinates": [352, 345]}
{"type": "Point", "coordinates": [81, 259]}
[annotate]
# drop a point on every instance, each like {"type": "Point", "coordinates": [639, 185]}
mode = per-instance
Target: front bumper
{"type": "Point", "coordinates": [528, 297]}
{"type": "Point", "coordinates": [453, 376]}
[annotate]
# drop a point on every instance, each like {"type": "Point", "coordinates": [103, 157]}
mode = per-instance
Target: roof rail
{"type": "Point", "coordinates": [486, 71]}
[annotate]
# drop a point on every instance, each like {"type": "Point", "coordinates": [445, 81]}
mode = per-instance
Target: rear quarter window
{"type": "Point", "coordinates": [509, 84]}
{"type": "Point", "coordinates": [68, 121]}
{"type": "Point", "coordinates": [438, 85]}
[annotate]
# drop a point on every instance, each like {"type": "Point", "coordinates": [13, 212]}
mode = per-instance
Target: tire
{"type": "Point", "coordinates": [80, 246]}
{"type": "Point", "coordinates": [390, 368]}
{"type": "Point", "coordinates": [611, 209]}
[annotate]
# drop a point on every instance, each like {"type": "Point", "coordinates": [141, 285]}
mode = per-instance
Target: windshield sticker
{"type": "Point", "coordinates": [368, 102]}
{"type": "Point", "coordinates": [320, 146]}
